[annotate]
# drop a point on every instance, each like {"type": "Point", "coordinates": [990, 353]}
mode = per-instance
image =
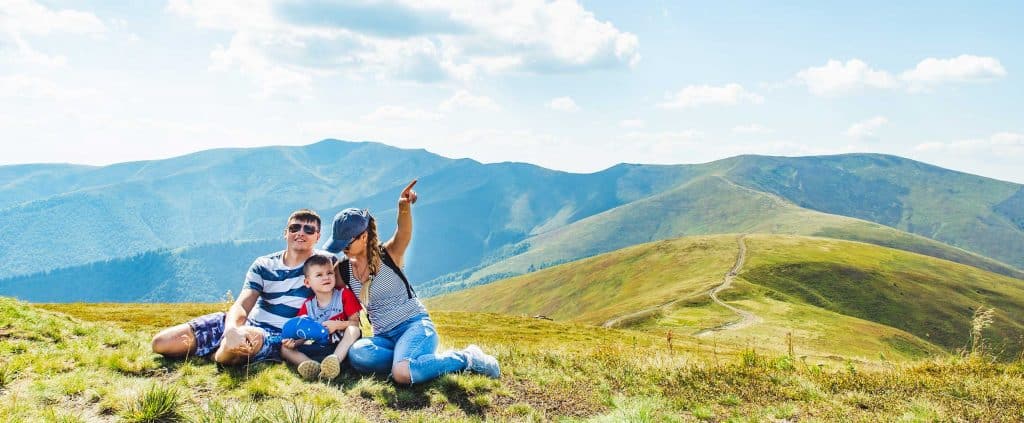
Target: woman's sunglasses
{"type": "Point", "coordinates": [308, 229]}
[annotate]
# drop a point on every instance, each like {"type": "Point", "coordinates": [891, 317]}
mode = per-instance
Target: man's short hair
{"type": "Point", "coordinates": [305, 215]}
{"type": "Point", "coordinates": [316, 260]}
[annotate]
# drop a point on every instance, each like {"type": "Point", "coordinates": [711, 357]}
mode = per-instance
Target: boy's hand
{"type": "Point", "coordinates": [290, 344]}
{"type": "Point", "coordinates": [335, 325]}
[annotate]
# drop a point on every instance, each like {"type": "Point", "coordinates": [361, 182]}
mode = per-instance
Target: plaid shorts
{"type": "Point", "coordinates": [209, 331]}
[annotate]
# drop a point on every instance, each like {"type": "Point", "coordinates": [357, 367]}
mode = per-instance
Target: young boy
{"type": "Point", "coordinates": [338, 311]}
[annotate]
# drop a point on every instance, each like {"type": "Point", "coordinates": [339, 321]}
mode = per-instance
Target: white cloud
{"type": "Point", "coordinates": [425, 41]}
{"type": "Point", "coordinates": [868, 129]}
{"type": "Point", "coordinates": [22, 19]}
{"type": "Point", "coordinates": [462, 99]}
{"type": "Point", "coordinates": [752, 128]}
{"type": "Point", "coordinates": [400, 113]}
{"type": "Point", "coordinates": [961, 68]}
{"type": "Point", "coordinates": [563, 104]}
{"type": "Point", "coordinates": [32, 87]}
{"type": "Point", "coordinates": [964, 68]}
{"type": "Point", "coordinates": [31, 18]}
{"type": "Point", "coordinates": [998, 146]}
{"type": "Point", "coordinates": [632, 123]}
{"type": "Point", "coordinates": [699, 95]}
{"type": "Point", "coordinates": [836, 78]}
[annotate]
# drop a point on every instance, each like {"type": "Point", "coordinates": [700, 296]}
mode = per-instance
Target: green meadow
{"type": "Point", "coordinates": [832, 297]}
{"type": "Point", "coordinates": [59, 367]}
{"type": "Point", "coordinates": [847, 331]}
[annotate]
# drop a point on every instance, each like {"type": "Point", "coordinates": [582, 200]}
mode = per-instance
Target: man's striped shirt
{"type": "Point", "coordinates": [281, 290]}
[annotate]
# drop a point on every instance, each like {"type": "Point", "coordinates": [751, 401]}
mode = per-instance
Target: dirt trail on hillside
{"type": "Point", "coordinates": [746, 318]}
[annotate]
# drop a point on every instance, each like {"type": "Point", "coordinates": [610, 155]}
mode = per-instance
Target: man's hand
{"type": "Point", "coordinates": [291, 344]}
{"type": "Point", "coordinates": [243, 340]}
{"type": "Point", "coordinates": [407, 197]}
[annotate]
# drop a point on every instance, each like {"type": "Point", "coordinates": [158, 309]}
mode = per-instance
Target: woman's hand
{"type": "Point", "coordinates": [408, 197]}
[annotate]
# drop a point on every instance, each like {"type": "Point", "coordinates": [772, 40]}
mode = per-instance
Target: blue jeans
{"type": "Point", "coordinates": [414, 340]}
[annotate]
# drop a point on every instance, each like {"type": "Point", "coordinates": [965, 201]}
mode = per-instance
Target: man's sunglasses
{"type": "Point", "coordinates": [308, 229]}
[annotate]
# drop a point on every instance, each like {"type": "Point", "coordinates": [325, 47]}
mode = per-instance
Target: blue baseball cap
{"type": "Point", "coordinates": [348, 224]}
{"type": "Point", "coordinates": [303, 327]}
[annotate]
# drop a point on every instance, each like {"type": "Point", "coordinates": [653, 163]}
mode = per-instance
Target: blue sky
{"type": "Point", "coordinates": [576, 86]}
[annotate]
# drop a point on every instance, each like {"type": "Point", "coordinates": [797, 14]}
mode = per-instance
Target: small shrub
{"type": "Point", "coordinates": [981, 320]}
{"type": "Point", "coordinates": [73, 384]}
{"type": "Point", "coordinates": [7, 375]}
{"type": "Point", "coordinates": [60, 416]}
{"type": "Point", "coordinates": [730, 400]}
{"type": "Point", "coordinates": [217, 412]}
{"type": "Point", "coordinates": [749, 358]}
{"type": "Point", "coordinates": [301, 413]}
{"type": "Point", "coordinates": [382, 393]}
{"type": "Point", "coordinates": [702, 412]}
{"type": "Point", "coordinates": [784, 411]}
{"type": "Point", "coordinates": [481, 401]}
{"type": "Point", "coordinates": [130, 360]}
{"type": "Point", "coordinates": [520, 409]}
{"type": "Point", "coordinates": [921, 411]}
{"type": "Point", "coordinates": [783, 362]}
{"type": "Point", "coordinates": [157, 404]}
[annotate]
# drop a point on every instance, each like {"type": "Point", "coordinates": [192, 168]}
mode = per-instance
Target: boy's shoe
{"type": "Point", "coordinates": [309, 369]}
{"type": "Point", "coordinates": [481, 362]}
{"type": "Point", "coordinates": [330, 368]}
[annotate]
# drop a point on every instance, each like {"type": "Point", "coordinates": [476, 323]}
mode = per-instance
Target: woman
{"type": "Point", "coordinates": [404, 340]}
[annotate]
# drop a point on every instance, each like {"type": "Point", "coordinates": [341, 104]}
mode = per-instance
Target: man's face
{"type": "Point", "coordinates": [320, 278]}
{"type": "Point", "coordinates": [298, 236]}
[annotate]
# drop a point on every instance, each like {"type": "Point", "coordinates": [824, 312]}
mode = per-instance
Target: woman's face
{"type": "Point", "coordinates": [358, 246]}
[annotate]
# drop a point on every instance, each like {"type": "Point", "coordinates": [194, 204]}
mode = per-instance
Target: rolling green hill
{"type": "Point", "coordinates": [837, 297]}
{"type": "Point", "coordinates": [968, 211]}
{"type": "Point", "coordinates": [93, 364]}
{"type": "Point", "coordinates": [704, 205]}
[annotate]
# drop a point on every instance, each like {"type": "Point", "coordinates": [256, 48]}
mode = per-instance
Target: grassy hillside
{"type": "Point", "coordinates": [704, 205]}
{"type": "Point", "coordinates": [933, 299]}
{"type": "Point", "coordinates": [59, 368]}
{"type": "Point", "coordinates": [959, 209]}
{"type": "Point", "coordinates": [836, 297]}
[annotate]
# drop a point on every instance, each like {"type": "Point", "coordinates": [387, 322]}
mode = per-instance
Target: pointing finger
{"type": "Point", "coordinates": [409, 188]}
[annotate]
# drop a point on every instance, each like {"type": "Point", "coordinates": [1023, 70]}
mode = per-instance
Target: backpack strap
{"type": "Point", "coordinates": [345, 272]}
{"type": "Point", "coordinates": [386, 258]}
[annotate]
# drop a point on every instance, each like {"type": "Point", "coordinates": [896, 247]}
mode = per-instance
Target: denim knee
{"type": "Point", "coordinates": [366, 357]}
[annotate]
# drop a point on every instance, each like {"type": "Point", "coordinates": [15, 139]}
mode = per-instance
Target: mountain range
{"type": "Point", "coordinates": [198, 220]}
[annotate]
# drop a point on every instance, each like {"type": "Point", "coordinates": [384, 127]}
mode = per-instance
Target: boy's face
{"type": "Point", "coordinates": [320, 278]}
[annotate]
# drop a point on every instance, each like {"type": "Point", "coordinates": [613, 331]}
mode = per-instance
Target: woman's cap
{"type": "Point", "coordinates": [348, 224]}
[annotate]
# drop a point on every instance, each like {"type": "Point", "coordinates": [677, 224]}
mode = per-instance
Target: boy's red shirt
{"type": "Point", "coordinates": [349, 304]}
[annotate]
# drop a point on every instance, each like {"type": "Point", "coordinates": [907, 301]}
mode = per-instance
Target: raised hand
{"type": "Point", "coordinates": [408, 196]}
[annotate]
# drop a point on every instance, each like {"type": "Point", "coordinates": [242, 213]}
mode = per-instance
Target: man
{"type": "Point", "coordinates": [272, 293]}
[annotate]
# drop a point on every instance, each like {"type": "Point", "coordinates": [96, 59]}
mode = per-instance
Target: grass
{"type": "Point", "coordinates": [551, 371]}
{"type": "Point", "coordinates": [931, 299]}
{"type": "Point", "coordinates": [837, 298]}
